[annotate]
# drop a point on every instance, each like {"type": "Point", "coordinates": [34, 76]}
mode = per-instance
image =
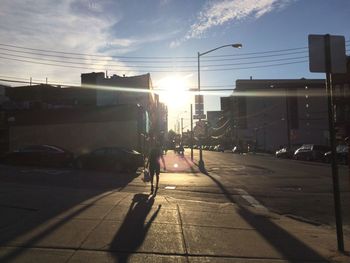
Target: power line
{"type": "Point", "coordinates": [147, 62]}
{"type": "Point", "coordinates": [102, 67]}
{"type": "Point", "coordinates": [156, 67]}
{"type": "Point", "coordinates": [151, 57]}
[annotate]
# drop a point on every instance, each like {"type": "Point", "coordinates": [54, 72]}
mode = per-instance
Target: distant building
{"type": "Point", "coordinates": [95, 93]}
{"type": "Point", "coordinates": [267, 114]}
{"type": "Point", "coordinates": [213, 118]}
{"type": "Point", "coordinates": [341, 84]}
{"type": "Point", "coordinates": [116, 90]}
{"type": "Point", "coordinates": [44, 96]}
{"type": "Point", "coordinates": [3, 123]}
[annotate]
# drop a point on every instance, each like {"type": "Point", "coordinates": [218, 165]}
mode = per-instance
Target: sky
{"type": "Point", "coordinates": [59, 40]}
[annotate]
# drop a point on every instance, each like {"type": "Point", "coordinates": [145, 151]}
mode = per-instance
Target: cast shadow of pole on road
{"type": "Point", "coordinates": [290, 247]}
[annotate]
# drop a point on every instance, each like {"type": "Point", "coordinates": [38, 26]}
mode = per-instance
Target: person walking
{"type": "Point", "coordinates": [153, 161]}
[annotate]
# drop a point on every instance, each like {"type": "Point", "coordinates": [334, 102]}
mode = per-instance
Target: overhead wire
{"type": "Point", "coordinates": [151, 66]}
{"type": "Point", "coordinates": [143, 57]}
{"type": "Point", "coordinates": [110, 59]}
{"type": "Point", "coordinates": [158, 57]}
{"type": "Point", "coordinates": [103, 67]}
{"type": "Point", "coordinates": [174, 67]}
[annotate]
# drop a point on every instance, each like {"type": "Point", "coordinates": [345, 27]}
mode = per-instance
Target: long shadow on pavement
{"type": "Point", "coordinates": [289, 246]}
{"type": "Point", "coordinates": [84, 185]}
{"type": "Point", "coordinates": [134, 228]}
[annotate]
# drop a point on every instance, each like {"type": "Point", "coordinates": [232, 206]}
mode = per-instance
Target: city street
{"type": "Point", "coordinates": [67, 215]}
{"type": "Point", "coordinates": [303, 190]}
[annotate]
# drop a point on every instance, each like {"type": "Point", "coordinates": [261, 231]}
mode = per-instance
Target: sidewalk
{"type": "Point", "coordinates": [62, 224]}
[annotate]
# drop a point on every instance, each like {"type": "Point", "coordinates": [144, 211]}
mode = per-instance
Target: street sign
{"type": "Point", "coordinates": [317, 54]}
{"type": "Point", "coordinates": [198, 106]}
{"type": "Point", "coordinates": [327, 54]}
{"type": "Point", "coordinates": [199, 116]}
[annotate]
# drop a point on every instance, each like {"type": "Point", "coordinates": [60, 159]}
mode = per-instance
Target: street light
{"type": "Point", "coordinates": [236, 45]}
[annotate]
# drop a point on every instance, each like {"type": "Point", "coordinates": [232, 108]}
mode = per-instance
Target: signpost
{"type": "Point", "coordinates": [327, 54]}
{"type": "Point", "coordinates": [199, 116]}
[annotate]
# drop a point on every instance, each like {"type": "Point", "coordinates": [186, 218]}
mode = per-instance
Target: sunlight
{"type": "Point", "coordinates": [173, 91]}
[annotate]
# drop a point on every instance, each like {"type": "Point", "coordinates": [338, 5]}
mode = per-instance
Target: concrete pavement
{"type": "Point", "coordinates": [69, 223]}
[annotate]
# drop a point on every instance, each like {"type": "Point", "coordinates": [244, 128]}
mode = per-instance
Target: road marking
{"type": "Point", "coordinates": [170, 187]}
{"type": "Point", "coordinates": [251, 200]}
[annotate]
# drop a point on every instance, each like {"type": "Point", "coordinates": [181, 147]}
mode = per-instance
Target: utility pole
{"type": "Point", "coordinates": [182, 127]}
{"type": "Point", "coordinates": [335, 176]}
{"type": "Point", "coordinates": [288, 119]}
{"type": "Point", "coordinates": [191, 112]}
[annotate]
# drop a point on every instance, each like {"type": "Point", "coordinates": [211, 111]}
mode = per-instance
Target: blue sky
{"type": "Point", "coordinates": [145, 32]}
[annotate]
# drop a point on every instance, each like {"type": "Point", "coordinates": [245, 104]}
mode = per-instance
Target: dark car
{"type": "Point", "coordinates": [112, 159]}
{"type": "Point", "coordinates": [237, 149]}
{"type": "Point", "coordinates": [311, 152]}
{"type": "Point", "coordinates": [219, 148]}
{"type": "Point", "coordinates": [342, 154]}
{"type": "Point", "coordinates": [40, 155]}
{"type": "Point", "coordinates": [286, 153]}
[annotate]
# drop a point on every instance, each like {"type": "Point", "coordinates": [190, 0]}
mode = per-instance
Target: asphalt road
{"type": "Point", "coordinates": [303, 190]}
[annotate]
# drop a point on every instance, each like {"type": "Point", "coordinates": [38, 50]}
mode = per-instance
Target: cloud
{"type": "Point", "coordinates": [217, 13]}
{"type": "Point", "coordinates": [74, 26]}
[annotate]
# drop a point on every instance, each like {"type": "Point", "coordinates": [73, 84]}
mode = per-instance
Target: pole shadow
{"type": "Point", "coordinates": [284, 242]}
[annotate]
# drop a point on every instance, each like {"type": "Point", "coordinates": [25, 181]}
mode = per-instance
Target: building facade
{"type": "Point", "coordinates": [341, 83]}
{"type": "Point", "coordinates": [268, 114]}
{"type": "Point", "coordinates": [96, 93]}
{"type": "Point", "coordinates": [213, 118]}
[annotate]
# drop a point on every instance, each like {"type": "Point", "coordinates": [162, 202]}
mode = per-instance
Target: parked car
{"type": "Point", "coordinates": [219, 148]}
{"type": "Point", "coordinates": [112, 159]}
{"type": "Point", "coordinates": [342, 155]}
{"type": "Point", "coordinates": [237, 149]}
{"type": "Point", "coordinates": [286, 152]}
{"type": "Point", "coordinates": [212, 148]}
{"type": "Point", "coordinates": [39, 155]}
{"type": "Point", "coordinates": [311, 152]}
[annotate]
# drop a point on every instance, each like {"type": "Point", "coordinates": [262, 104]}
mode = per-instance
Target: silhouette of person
{"type": "Point", "coordinates": [153, 161]}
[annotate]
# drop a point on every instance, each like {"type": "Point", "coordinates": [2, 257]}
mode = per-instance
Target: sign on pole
{"type": "Point", "coordinates": [327, 54]}
{"type": "Point", "coordinates": [199, 116]}
{"type": "Point", "coordinates": [317, 54]}
{"type": "Point", "coordinates": [199, 105]}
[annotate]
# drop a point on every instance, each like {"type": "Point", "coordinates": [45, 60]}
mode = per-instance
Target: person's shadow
{"type": "Point", "coordinates": [134, 228]}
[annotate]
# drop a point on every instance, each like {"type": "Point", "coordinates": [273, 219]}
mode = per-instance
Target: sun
{"type": "Point", "coordinates": [173, 91]}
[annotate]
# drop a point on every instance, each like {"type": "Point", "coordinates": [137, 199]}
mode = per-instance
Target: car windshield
{"type": "Point", "coordinates": [174, 131]}
{"type": "Point", "coordinates": [343, 148]}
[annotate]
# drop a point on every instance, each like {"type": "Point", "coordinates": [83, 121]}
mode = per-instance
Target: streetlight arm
{"type": "Point", "coordinates": [229, 45]}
